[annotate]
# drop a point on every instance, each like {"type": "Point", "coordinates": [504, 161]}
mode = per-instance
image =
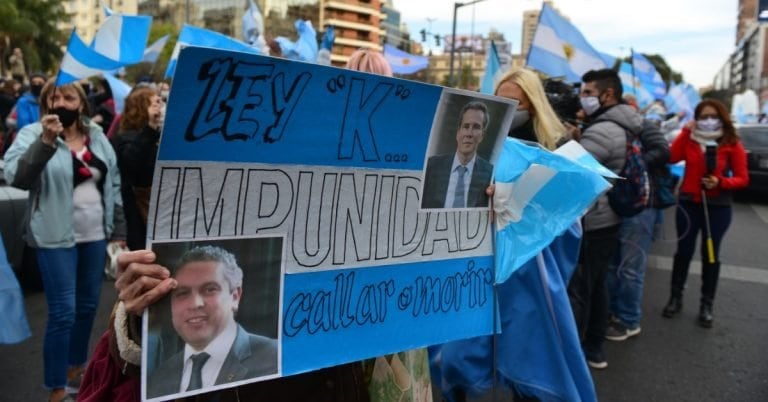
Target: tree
{"type": "Point", "coordinates": [32, 25]}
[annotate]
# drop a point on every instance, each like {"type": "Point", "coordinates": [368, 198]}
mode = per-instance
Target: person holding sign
{"type": "Point", "coordinates": [459, 180]}
{"type": "Point", "coordinates": [209, 286]}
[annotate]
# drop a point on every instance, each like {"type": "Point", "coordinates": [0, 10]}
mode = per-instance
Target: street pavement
{"type": "Point", "coordinates": [671, 360]}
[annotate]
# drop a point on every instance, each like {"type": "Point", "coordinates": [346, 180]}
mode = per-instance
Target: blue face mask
{"type": "Point", "coordinates": [709, 124]}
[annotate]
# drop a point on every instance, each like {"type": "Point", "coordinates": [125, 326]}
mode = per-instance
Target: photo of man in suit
{"type": "Point", "coordinates": [217, 350]}
{"type": "Point", "coordinates": [459, 180]}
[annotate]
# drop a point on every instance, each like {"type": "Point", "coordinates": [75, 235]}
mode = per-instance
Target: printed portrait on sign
{"type": "Point", "coordinates": [219, 327]}
{"type": "Point", "coordinates": [467, 135]}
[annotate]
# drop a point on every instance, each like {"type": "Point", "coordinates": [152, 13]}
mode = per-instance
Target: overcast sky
{"type": "Point", "coordinates": [694, 36]}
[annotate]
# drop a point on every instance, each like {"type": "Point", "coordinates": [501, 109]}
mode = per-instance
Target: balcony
{"type": "Point", "coordinates": [355, 8]}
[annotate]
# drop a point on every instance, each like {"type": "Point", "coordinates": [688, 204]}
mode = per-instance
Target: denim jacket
{"type": "Point", "coordinates": [47, 173]}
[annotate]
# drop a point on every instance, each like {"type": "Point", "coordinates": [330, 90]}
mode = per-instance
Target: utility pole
{"type": "Point", "coordinates": [456, 7]}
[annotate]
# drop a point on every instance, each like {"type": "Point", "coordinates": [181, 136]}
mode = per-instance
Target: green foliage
{"type": "Point", "coordinates": [32, 25]}
{"type": "Point", "coordinates": [666, 72]}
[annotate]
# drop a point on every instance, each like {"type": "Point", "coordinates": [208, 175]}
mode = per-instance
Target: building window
{"type": "Point", "coordinates": [362, 35]}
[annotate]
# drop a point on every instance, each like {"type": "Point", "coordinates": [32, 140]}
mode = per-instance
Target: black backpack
{"type": "Point", "coordinates": [630, 194]}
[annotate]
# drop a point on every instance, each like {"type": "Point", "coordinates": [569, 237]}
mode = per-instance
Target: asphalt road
{"type": "Point", "coordinates": [671, 360]}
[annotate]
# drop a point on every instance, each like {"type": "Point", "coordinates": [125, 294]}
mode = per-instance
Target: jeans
{"type": "Point", "coordinates": [627, 270]}
{"type": "Point", "coordinates": [587, 291]}
{"type": "Point", "coordinates": [72, 281]}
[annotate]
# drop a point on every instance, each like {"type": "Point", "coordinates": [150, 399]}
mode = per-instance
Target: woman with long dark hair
{"type": "Point", "coordinates": [715, 165]}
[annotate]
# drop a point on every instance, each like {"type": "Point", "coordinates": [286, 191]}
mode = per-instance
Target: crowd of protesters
{"type": "Point", "coordinates": [75, 151]}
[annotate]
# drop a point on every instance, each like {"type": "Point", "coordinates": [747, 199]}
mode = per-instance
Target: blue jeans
{"type": "Point", "coordinates": [627, 270]}
{"type": "Point", "coordinates": [72, 281]}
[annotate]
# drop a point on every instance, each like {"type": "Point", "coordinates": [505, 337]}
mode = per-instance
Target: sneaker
{"type": "Point", "coordinates": [597, 361]}
{"type": "Point", "coordinates": [619, 332]}
{"type": "Point", "coordinates": [74, 377]}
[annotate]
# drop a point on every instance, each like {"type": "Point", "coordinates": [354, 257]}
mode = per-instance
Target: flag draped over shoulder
{"type": "Point", "coordinates": [403, 62]}
{"type": "Point", "coordinates": [560, 50]}
{"type": "Point", "coordinates": [538, 349]}
{"type": "Point", "coordinates": [492, 70]}
{"type": "Point", "coordinates": [201, 37]}
{"type": "Point", "coordinates": [530, 212]}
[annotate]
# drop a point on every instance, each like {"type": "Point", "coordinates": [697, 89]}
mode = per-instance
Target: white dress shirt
{"type": "Point", "coordinates": [454, 178]}
{"type": "Point", "coordinates": [218, 349]}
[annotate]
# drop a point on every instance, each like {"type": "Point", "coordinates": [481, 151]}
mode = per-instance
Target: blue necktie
{"type": "Point", "coordinates": [458, 195]}
{"type": "Point", "coordinates": [198, 360]}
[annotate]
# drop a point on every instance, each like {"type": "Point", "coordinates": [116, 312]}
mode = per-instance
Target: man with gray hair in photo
{"type": "Point", "coordinates": [217, 350]}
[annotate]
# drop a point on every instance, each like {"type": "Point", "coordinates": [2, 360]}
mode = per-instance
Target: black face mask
{"type": "Point", "coordinates": [35, 90]}
{"type": "Point", "coordinates": [66, 117]}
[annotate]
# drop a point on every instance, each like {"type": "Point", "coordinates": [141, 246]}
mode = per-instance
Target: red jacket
{"type": "Point", "coordinates": [730, 156]}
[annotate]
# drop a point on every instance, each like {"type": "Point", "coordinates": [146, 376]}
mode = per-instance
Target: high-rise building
{"type": "Point", "coordinates": [530, 23]}
{"type": "Point", "coordinates": [395, 32]}
{"type": "Point", "coordinates": [357, 24]}
{"type": "Point", "coordinates": [747, 16]}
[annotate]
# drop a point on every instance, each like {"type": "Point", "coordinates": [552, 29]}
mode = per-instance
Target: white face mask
{"type": "Point", "coordinates": [590, 104]}
{"type": "Point", "coordinates": [520, 118]}
{"type": "Point", "coordinates": [709, 124]}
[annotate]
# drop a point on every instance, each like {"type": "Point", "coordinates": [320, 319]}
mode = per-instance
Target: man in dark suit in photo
{"type": "Point", "coordinates": [217, 350]}
{"type": "Point", "coordinates": [459, 180]}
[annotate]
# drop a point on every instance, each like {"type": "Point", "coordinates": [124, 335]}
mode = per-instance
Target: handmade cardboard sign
{"type": "Point", "coordinates": [314, 216]}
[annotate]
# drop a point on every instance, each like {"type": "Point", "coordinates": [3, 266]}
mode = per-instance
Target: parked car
{"type": "Point", "coordinates": [13, 206]}
{"type": "Point", "coordinates": [755, 140]}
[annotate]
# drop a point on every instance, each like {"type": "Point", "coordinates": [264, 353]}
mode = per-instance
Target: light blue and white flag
{"type": "Point", "coordinates": [328, 38]}
{"type": "Point", "coordinates": [123, 38]}
{"type": "Point", "coordinates": [81, 61]}
{"type": "Point", "coordinates": [646, 73]}
{"type": "Point", "coordinates": [492, 71]}
{"type": "Point", "coordinates": [152, 52]}
{"type": "Point", "coordinates": [682, 97]}
{"type": "Point", "coordinates": [201, 37]}
{"type": "Point", "coordinates": [253, 23]}
{"type": "Point", "coordinates": [120, 90]}
{"type": "Point", "coordinates": [107, 11]}
{"type": "Point", "coordinates": [530, 212]}
{"type": "Point", "coordinates": [305, 48]}
{"type": "Point", "coordinates": [560, 50]}
{"type": "Point", "coordinates": [631, 85]}
{"type": "Point", "coordinates": [403, 62]}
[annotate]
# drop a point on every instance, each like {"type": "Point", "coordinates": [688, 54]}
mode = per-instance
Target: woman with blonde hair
{"type": "Point", "coordinates": [465, 366]}
{"type": "Point", "coordinates": [369, 61]}
{"type": "Point", "coordinates": [535, 120]}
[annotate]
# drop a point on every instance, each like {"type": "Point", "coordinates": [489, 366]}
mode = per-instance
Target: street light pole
{"type": "Point", "coordinates": [456, 7]}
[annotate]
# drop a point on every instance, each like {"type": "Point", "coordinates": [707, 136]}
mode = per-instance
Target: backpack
{"type": "Point", "coordinates": [630, 195]}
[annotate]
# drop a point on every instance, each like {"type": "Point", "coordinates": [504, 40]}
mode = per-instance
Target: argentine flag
{"type": "Point", "coordinates": [648, 76]}
{"type": "Point", "coordinates": [528, 200]}
{"type": "Point", "coordinates": [403, 62]}
{"type": "Point", "coordinates": [682, 97]}
{"type": "Point", "coordinates": [630, 84]}
{"type": "Point", "coordinates": [152, 52]}
{"type": "Point", "coordinates": [123, 37]}
{"type": "Point", "coordinates": [305, 48]}
{"type": "Point", "coordinates": [560, 50]}
{"type": "Point", "coordinates": [492, 71]}
{"type": "Point", "coordinates": [200, 37]}
{"type": "Point", "coordinates": [81, 61]}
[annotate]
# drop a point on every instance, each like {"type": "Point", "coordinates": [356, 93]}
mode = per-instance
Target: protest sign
{"type": "Point", "coordinates": [311, 182]}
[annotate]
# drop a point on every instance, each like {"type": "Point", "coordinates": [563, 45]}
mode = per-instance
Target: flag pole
{"type": "Point", "coordinates": [632, 65]}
